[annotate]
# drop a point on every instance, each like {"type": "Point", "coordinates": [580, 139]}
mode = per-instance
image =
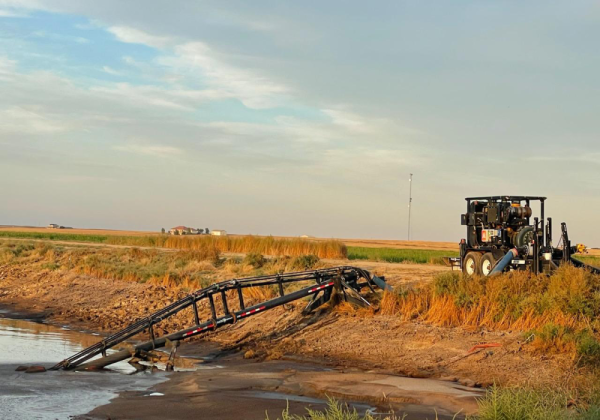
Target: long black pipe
{"type": "Point", "coordinates": [206, 326]}
{"type": "Point", "coordinates": [348, 272]}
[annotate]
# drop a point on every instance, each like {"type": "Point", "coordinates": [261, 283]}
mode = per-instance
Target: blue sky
{"type": "Point", "coordinates": [296, 117]}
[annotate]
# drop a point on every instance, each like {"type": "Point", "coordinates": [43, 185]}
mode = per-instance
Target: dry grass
{"type": "Point", "coordinates": [512, 301]}
{"type": "Point", "coordinates": [173, 269]}
{"type": "Point", "coordinates": [337, 410]}
{"type": "Point", "coordinates": [204, 243]}
{"type": "Point", "coordinates": [189, 269]}
{"type": "Point", "coordinates": [561, 311]}
{"type": "Point", "coordinates": [260, 294]}
{"type": "Point", "coordinates": [266, 246]}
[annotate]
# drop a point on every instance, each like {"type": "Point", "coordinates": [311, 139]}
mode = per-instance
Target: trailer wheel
{"type": "Point", "coordinates": [471, 264]}
{"type": "Point", "coordinates": [487, 263]}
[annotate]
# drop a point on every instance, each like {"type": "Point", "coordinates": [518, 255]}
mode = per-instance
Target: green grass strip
{"type": "Point", "coordinates": [51, 236]}
{"type": "Point", "coordinates": [417, 256]}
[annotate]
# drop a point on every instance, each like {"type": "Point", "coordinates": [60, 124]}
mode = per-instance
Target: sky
{"type": "Point", "coordinates": [293, 118]}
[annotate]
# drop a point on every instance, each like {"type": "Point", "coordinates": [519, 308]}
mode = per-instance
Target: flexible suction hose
{"type": "Point", "coordinates": [503, 263]}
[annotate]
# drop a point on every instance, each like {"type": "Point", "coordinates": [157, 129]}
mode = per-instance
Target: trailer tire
{"type": "Point", "coordinates": [487, 264]}
{"type": "Point", "coordinates": [471, 263]}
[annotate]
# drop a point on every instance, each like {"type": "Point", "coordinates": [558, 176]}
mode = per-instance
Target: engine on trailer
{"type": "Point", "coordinates": [502, 235]}
{"type": "Point", "coordinates": [498, 223]}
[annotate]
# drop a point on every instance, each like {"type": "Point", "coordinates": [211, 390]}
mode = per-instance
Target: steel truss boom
{"type": "Point", "coordinates": [347, 280]}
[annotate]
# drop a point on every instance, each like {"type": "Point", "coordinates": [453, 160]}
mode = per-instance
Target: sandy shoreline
{"type": "Point", "coordinates": [227, 386]}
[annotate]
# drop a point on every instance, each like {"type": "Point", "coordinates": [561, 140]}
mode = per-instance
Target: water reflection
{"type": "Point", "coordinates": [24, 341]}
{"type": "Point", "coordinates": [55, 394]}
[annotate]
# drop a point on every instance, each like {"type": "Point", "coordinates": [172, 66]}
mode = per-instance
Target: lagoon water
{"type": "Point", "coordinates": [56, 394]}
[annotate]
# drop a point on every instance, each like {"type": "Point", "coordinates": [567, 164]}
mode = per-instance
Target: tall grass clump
{"type": "Point", "coordinates": [561, 311]}
{"type": "Point", "coordinates": [167, 269]}
{"type": "Point", "coordinates": [255, 260]}
{"type": "Point", "coordinates": [335, 410]}
{"type": "Point", "coordinates": [523, 403]}
{"type": "Point", "coordinates": [260, 245]}
{"type": "Point", "coordinates": [241, 244]}
{"type": "Point", "coordinates": [393, 255]}
{"type": "Point", "coordinates": [535, 404]}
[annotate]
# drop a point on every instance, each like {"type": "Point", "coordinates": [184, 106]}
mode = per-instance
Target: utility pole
{"type": "Point", "coordinates": [409, 203]}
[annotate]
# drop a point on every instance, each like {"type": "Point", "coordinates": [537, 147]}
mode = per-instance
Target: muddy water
{"type": "Point", "coordinates": [225, 386]}
{"type": "Point", "coordinates": [55, 395]}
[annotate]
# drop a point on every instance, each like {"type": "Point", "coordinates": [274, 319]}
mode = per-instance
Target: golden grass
{"type": "Point", "coordinates": [516, 301]}
{"type": "Point", "coordinates": [242, 244]}
{"type": "Point", "coordinates": [260, 294]}
{"type": "Point", "coordinates": [233, 244]}
{"type": "Point", "coordinates": [171, 269]}
{"type": "Point", "coordinates": [561, 311]}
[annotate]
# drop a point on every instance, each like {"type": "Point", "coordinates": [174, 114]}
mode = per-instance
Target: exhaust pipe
{"type": "Point", "coordinates": [503, 263]}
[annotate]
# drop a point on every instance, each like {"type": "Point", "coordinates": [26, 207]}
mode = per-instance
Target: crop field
{"type": "Point", "coordinates": [54, 236]}
{"type": "Point", "coordinates": [417, 256]}
{"type": "Point", "coordinates": [101, 232]}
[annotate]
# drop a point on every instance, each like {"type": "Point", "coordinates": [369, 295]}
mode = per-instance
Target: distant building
{"type": "Point", "coordinates": [183, 230]}
{"type": "Point", "coordinates": [55, 226]}
{"type": "Point", "coordinates": [218, 232]}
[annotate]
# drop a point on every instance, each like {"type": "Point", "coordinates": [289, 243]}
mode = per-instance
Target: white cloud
{"type": "Point", "coordinates": [7, 68]}
{"type": "Point", "coordinates": [150, 149]}
{"type": "Point", "coordinates": [153, 96]}
{"type": "Point", "coordinates": [19, 8]}
{"type": "Point", "coordinates": [110, 71]}
{"type": "Point", "coordinates": [11, 13]}
{"type": "Point", "coordinates": [345, 119]}
{"type": "Point", "coordinates": [568, 156]}
{"type": "Point", "coordinates": [200, 63]}
{"type": "Point", "coordinates": [135, 36]}
{"type": "Point", "coordinates": [84, 179]}
{"type": "Point", "coordinates": [20, 120]}
{"type": "Point", "coordinates": [91, 25]}
{"type": "Point", "coordinates": [195, 63]}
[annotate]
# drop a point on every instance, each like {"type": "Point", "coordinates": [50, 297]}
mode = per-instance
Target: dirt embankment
{"type": "Point", "coordinates": [346, 338]}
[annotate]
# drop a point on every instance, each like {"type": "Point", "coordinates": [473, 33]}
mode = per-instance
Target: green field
{"type": "Point", "coordinates": [51, 236]}
{"type": "Point", "coordinates": [588, 259]}
{"type": "Point", "coordinates": [418, 256]}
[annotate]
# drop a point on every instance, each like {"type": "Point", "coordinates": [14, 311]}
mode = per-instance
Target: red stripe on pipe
{"type": "Point", "coordinates": [323, 286]}
{"type": "Point", "coordinates": [197, 330]}
{"type": "Point", "coordinates": [251, 311]}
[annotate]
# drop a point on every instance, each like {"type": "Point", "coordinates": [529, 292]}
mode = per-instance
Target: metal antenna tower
{"type": "Point", "coordinates": [409, 202]}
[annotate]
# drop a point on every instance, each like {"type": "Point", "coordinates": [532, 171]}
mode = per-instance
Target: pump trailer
{"type": "Point", "coordinates": [501, 236]}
